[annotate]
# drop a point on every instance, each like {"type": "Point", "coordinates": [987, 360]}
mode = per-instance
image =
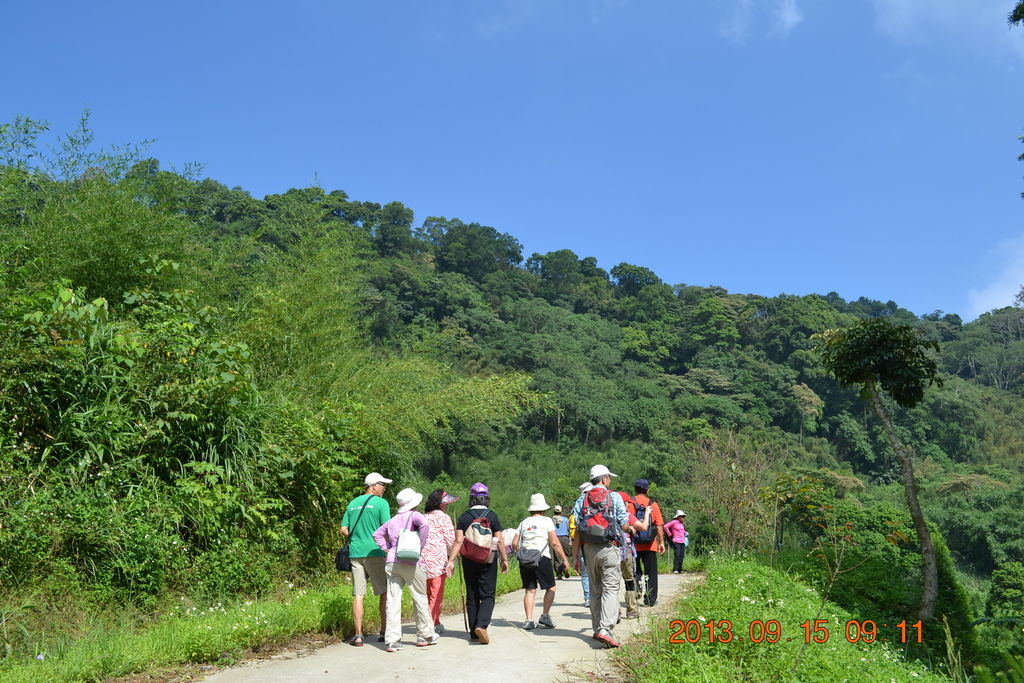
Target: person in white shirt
{"type": "Point", "coordinates": [534, 542]}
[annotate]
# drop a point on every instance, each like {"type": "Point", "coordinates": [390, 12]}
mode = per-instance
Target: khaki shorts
{"type": "Point", "coordinates": [372, 567]}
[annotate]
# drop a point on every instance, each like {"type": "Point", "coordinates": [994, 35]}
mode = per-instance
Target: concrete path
{"type": "Point", "coordinates": [564, 653]}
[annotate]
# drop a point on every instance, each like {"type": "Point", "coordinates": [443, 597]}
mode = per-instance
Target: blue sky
{"type": "Point", "coordinates": [866, 147]}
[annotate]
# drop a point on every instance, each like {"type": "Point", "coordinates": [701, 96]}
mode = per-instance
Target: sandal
{"type": "Point", "coordinates": [356, 641]}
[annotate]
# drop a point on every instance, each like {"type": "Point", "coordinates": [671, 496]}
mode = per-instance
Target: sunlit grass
{"type": "Point", "coordinates": [743, 592]}
{"type": "Point", "coordinates": [215, 633]}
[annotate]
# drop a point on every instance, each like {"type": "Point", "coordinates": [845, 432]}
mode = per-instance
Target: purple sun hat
{"type": "Point", "coordinates": [479, 489]}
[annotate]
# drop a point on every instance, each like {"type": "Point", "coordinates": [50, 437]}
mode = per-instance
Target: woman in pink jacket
{"type": "Point", "coordinates": [405, 571]}
{"type": "Point", "coordinates": [675, 532]}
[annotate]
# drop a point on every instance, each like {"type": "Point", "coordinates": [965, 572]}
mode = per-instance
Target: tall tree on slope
{"type": "Point", "coordinates": [880, 356]}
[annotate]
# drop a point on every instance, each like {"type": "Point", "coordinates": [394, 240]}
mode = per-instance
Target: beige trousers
{"type": "Point", "coordinates": [603, 567]}
{"type": "Point", "coordinates": [413, 576]}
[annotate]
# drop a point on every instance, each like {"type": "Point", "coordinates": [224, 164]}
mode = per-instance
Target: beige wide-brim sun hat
{"type": "Point", "coordinates": [408, 499]}
{"type": "Point", "coordinates": [537, 503]}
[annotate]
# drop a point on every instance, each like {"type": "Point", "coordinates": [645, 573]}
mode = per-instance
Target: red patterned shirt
{"type": "Point", "coordinates": [440, 539]}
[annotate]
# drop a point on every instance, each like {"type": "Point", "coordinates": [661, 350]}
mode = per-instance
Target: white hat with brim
{"type": "Point", "coordinates": [376, 478]}
{"type": "Point", "coordinates": [680, 513]}
{"type": "Point", "coordinates": [537, 503]}
{"type": "Point", "coordinates": [586, 486]}
{"type": "Point", "coordinates": [600, 471]}
{"type": "Point", "coordinates": [408, 499]}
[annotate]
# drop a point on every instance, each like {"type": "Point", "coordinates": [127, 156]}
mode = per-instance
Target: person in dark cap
{"type": "Point", "coordinates": [647, 550]}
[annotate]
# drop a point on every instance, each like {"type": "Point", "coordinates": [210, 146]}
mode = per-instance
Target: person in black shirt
{"type": "Point", "coordinates": [481, 577]}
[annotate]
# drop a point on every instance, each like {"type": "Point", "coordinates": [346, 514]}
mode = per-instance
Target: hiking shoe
{"type": "Point", "coordinates": [356, 640]}
{"type": "Point", "coordinates": [438, 629]}
{"type": "Point", "coordinates": [586, 603]}
{"type": "Point", "coordinates": [394, 647]}
{"type": "Point", "coordinates": [545, 621]}
{"type": "Point", "coordinates": [424, 642]}
{"type": "Point", "coordinates": [481, 635]}
{"type": "Point", "coordinates": [606, 638]}
{"type": "Point", "coordinates": [633, 614]}
{"type": "Point", "coordinates": [530, 625]}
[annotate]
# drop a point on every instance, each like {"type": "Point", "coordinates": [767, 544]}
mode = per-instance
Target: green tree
{"type": "Point", "coordinates": [470, 248]}
{"type": "Point", "coordinates": [630, 279]}
{"type": "Point", "coordinates": [393, 234]}
{"type": "Point", "coordinates": [1007, 594]}
{"type": "Point", "coordinates": [710, 325]}
{"type": "Point", "coordinates": [880, 356]}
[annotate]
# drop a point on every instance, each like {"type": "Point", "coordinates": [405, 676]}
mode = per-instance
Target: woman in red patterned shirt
{"type": "Point", "coordinates": [434, 556]}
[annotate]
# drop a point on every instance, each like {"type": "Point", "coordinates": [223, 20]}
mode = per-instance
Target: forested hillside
{"type": "Point", "coordinates": [193, 382]}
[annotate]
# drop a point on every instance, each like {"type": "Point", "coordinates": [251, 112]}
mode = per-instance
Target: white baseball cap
{"type": "Point", "coordinates": [601, 471]}
{"type": "Point", "coordinates": [376, 478]}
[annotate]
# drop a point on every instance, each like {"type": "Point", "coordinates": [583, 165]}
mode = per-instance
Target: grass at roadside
{"type": "Point", "coordinates": [217, 633]}
{"type": "Point", "coordinates": [745, 592]}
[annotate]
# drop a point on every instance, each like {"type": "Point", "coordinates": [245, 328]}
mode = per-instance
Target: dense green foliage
{"type": "Point", "coordinates": [185, 408]}
{"type": "Point", "coordinates": [193, 382]}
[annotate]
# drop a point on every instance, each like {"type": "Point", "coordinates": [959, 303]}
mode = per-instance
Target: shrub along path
{"type": "Point", "coordinates": [565, 652]}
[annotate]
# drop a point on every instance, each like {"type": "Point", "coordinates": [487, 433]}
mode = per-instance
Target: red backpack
{"type": "Point", "coordinates": [597, 522]}
{"type": "Point", "coordinates": [476, 541]}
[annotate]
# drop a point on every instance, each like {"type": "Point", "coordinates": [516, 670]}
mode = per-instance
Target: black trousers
{"type": "Point", "coordinates": [647, 564]}
{"type": "Point", "coordinates": [678, 553]}
{"type": "Point", "coordinates": [562, 570]}
{"type": "Point", "coordinates": [481, 580]}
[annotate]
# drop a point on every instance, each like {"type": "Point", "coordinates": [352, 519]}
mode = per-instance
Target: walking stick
{"type": "Point", "coordinates": [462, 597]}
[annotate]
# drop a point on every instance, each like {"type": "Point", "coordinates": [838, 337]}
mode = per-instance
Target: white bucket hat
{"type": "Point", "coordinates": [601, 471]}
{"type": "Point", "coordinates": [680, 513]}
{"type": "Point", "coordinates": [537, 503]}
{"type": "Point", "coordinates": [407, 499]}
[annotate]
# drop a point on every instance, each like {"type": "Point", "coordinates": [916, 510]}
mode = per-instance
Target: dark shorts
{"type": "Point", "coordinates": [543, 574]}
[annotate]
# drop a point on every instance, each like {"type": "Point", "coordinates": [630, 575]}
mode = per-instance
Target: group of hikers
{"type": "Point", "coordinates": [611, 536]}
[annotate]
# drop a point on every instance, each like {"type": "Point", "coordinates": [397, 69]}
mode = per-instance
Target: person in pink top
{"type": "Point", "coordinates": [440, 540]}
{"type": "Point", "coordinates": [405, 571]}
{"type": "Point", "coordinates": [676, 533]}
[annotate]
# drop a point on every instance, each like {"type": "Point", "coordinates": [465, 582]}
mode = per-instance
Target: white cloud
{"type": "Point", "coordinates": [787, 16]}
{"type": "Point", "coordinates": [737, 26]}
{"type": "Point", "coordinates": [1002, 289]}
{"type": "Point", "coordinates": [979, 25]}
{"type": "Point", "coordinates": [782, 16]}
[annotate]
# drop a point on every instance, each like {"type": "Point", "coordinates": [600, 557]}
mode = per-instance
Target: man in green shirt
{"type": "Point", "coordinates": [363, 516]}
